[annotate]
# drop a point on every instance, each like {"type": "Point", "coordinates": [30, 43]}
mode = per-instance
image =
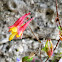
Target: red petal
{"type": "Point", "coordinates": [24, 26]}
{"type": "Point", "coordinates": [20, 20]}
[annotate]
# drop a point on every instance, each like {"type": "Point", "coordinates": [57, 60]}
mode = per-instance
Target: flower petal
{"type": "Point", "coordinates": [11, 36]}
{"type": "Point", "coordinates": [20, 20]}
{"type": "Point", "coordinates": [18, 35]}
{"type": "Point", "coordinates": [14, 29]}
{"type": "Point", "coordinates": [22, 23]}
{"type": "Point", "coordinates": [22, 28]}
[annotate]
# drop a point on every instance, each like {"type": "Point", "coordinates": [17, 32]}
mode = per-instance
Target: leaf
{"type": "Point", "coordinates": [27, 59]}
{"type": "Point", "coordinates": [24, 58]}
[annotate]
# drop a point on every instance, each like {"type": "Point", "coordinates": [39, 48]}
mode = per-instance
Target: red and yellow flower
{"type": "Point", "coordinates": [18, 27]}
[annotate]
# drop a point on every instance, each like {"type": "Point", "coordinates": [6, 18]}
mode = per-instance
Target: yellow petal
{"type": "Point", "coordinates": [19, 34]}
{"type": "Point", "coordinates": [14, 29]}
{"type": "Point", "coordinates": [13, 32]}
{"type": "Point", "coordinates": [11, 36]}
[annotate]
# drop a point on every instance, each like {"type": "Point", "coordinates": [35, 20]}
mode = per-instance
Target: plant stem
{"type": "Point", "coordinates": [56, 45]}
{"type": "Point", "coordinates": [40, 52]}
{"type": "Point", "coordinates": [56, 8]}
{"type": "Point", "coordinates": [34, 35]}
{"type": "Point", "coordinates": [47, 59]}
{"type": "Point", "coordinates": [54, 49]}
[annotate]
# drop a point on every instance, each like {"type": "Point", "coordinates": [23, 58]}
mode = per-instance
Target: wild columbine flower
{"type": "Point", "coordinates": [18, 27]}
{"type": "Point", "coordinates": [48, 48]}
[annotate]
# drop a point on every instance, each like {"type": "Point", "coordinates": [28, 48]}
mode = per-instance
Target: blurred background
{"type": "Point", "coordinates": [43, 26]}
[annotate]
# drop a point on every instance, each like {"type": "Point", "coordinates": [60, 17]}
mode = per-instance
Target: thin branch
{"type": "Point", "coordinates": [40, 53]}
{"type": "Point", "coordinates": [34, 35]}
{"type": "Point", "coordinates": [47, 59]}
{"type": "Point", "coordinates": [56, 8]}
{"type": "Point", "coordinates": [56, 45]}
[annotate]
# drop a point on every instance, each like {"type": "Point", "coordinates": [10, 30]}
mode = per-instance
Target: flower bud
{"type": "Point", "coordinates": [49, 48]}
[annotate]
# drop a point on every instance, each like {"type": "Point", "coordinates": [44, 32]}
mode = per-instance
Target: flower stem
{"type": "Point", "coordinates": [54, 49]}
{"type": "Point", "coordinates": [47, 59]}
{"type": "Point", "coordinates": [56, 45]}
{"type": "Point", "coordinates": [34, 35]}
{"type": "Point", "coordinates": [56, 8]}
{"type": "Point", "coordinates": [40, 53]}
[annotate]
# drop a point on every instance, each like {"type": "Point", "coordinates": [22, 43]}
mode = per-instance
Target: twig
{"type": "Point", "coordinates": [34, 35]}
{"type": "Point", "coordinates": [40, 53]}
{"type": "Point", "coordinates": [47, 59]}
{"type": "Point", "coordinates": [56, 8]}
{"type": "Point", "coordinates": [56, 45]}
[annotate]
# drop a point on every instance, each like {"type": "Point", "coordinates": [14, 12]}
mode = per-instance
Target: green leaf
{"type": "Point", "coordinates": [24, 58]}
{"type": "Point", "coordinates": [27, 59]}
